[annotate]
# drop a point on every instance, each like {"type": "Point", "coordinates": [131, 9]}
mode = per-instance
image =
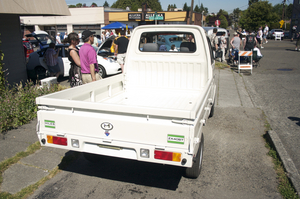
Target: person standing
{"type": "Point", "coordinates": [214, 41]}
{"type": "Point", "coordinates": [266, 32]}
{"type": "Point", "coordinates": [294, 31]}
{"type": "Point", "coordinates": [88, 58]}
{"type": "Point", "coordinates": [66, 35]}
{"type": "Point", "coordinates": [121, 47]}
{"type": "Point", "coordinates": [73, 56]}
{"type": "Point", "coordinates": [106, 34]}
{"type": "Point", "coordinates": [236, 43]}
{"type": "Point", "coordinates": [51, 56]}
{"type": "Point", "coordinates": [249, 42]}
{"type": "Point", "coordinates": [259, 37]}
{"type": "Point", "coordinates": [103, 38]}
{"type": "Point", "coordinates": [79, 35]}
{"type": "Point", "coordinates": [223, 46]}
{"type": "Point", "coordinates": [58, 41]}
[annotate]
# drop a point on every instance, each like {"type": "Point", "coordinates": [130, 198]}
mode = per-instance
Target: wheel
{"type": "Point", "coordinates": [102, 71]}
{"type": "Point", "coordinates": [94, 158]}
{"type": "Point", "coordinates": [212, 110]}
{"type": "Point", "coordinates": [194, 171]}
{"type": "Point", "coordinates": [40, 72]}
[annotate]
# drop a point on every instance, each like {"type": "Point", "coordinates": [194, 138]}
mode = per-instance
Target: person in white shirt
{"type": "Point", "coordinates": [58, 41]}
{"type": "Point", "coordinates": [259, 55]}
{"type": "Point", "coordinates": [66, 35]}
{"type": "Point", "coordinates": [173, 48]}
{"type": "Point", "coordinates": [266, 32]}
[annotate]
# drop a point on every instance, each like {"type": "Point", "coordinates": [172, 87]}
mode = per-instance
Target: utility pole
{"type": "Point", "coordinates": [191, 16]}
{"type": "Point", "coordinates": [283, 9]}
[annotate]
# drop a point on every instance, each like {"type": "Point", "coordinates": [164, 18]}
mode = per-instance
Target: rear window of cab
{"type": "Point", "coordinates": [167, 42]}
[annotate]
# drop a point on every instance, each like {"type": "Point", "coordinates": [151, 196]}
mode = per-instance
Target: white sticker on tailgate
{"type": "Point", "coordinates": [176, 139]}
{"type": "Point", "coordinates": [50, 124]}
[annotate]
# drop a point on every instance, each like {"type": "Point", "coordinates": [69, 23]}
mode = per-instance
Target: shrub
{"type": "Point", "coordinates": [18, 104]}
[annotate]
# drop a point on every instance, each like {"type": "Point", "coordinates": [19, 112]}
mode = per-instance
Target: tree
{"type": "Point", "coordinates": [72, 6]}
{"type": "Point", "coordinates": [222, 12]}
{"type": "Point", "coordinates": [250, 2]}
{"type": "Point", "coordinates": [202, 8]}
{"type": "Point", "coordinates": [105, 4]}
{"type": "Point", "coordinates": [258, 14]}
{"type": "Point", "coordinates": [94, 5]}
{"type": "Point", "coordinates": [186, 7]}
{"type": "Point", "coordinates": [196, 9]}
{"type": "Point", "coordinates": [78, 5]}
{"type": "Point", "coordinates": [153, 4]}
{"type": "Point", "coordinates": [170, 6]}
{"type": "Point", "coordinates": [224, 22]}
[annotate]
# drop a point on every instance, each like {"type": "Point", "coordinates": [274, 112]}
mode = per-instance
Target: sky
{"type": "Point", "coordinates": [212, 5]}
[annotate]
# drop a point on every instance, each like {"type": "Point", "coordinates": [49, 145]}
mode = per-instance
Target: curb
{"type": "Point", "coordinates": [288, 163]}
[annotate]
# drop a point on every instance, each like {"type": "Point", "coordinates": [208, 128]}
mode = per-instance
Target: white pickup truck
{"type": "Point", "coordinates": [154, 111]}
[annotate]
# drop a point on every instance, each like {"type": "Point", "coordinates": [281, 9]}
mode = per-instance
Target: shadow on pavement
{"type": "Point", "coordinates": [297, 119]}
{"type": "Point", "coordinates": [130, 171]}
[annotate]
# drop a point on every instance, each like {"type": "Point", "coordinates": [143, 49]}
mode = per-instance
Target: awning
{"type": "Point", "coordinates": [116, 25]}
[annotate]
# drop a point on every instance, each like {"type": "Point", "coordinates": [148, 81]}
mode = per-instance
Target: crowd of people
{"type": "Point", "coordinates": [84, 66]}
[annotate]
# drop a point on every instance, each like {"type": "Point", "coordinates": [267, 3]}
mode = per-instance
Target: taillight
{"type": "Point", "coordinates": [57, 140]}
{"type": "Point", "coordinates": [170, 156]}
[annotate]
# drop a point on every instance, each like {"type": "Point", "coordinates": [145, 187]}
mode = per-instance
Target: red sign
{"type": "Point", "coordinates": [217, 22]}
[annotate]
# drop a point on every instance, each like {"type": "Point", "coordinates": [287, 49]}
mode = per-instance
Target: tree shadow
{"type": "Point", "coordinates": [297, 119]}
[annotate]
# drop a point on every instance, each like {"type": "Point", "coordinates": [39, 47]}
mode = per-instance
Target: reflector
{"type": "Point", "coordinates": [57, 140]}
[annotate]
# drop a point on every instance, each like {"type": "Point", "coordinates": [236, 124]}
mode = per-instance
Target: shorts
{"type": "Point", "coordinates": [54, 69]}
{"type": "Point", "coordinates": [258, 40]}
{"type": "Point", "coordinates": [265, 36]}
{"type": "Point", "coordinates": [121, 58]}
{"type": "Point", "coordinates": [87, 77]}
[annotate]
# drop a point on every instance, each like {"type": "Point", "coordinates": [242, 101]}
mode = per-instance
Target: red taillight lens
{"type": "Point", "coordinates": [170, 156]}
{"type": "Point", "coordinates": [57, 140]}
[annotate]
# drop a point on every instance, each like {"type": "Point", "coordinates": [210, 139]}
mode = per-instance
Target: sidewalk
{"type": "Point", "coordinates": [231, 92]}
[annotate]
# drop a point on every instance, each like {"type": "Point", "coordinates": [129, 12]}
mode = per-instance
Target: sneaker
{"type": "Point", "coordinates": [266, 42]}
{"type": "Point", "coordinates": [296, 49]}
{"type": "Point", "coordinates": [261, 47]}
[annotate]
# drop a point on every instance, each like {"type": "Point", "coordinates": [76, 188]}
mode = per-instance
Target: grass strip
{"type": "Point", "coordinates": [285, 186]}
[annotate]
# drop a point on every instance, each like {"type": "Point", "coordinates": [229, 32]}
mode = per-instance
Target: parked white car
{"type": "Point", "coordinates": [37, 68]}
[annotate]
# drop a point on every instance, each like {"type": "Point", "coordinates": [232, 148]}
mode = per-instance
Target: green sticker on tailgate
{"type": "Point", "coordinates": [176, 139]}
{"type": "Point", "coordinates": [50, 124]}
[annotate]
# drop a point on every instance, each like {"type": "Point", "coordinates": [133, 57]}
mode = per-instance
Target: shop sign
{"type": "Point", "coordinates": [134, 16]}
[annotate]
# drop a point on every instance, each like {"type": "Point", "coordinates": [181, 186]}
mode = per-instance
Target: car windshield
{"type": "Point", "coordinates": [167, 42]}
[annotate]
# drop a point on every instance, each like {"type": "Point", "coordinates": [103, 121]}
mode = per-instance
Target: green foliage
{"type": "Point", "coordinates": [153, 4]}
{"type": "Point", "coordinates": [258, 14]}
{"type": "Point", "coordinates": [18, 104]}
{"type": "Point", "coordinates": [72, 6]}
{"type": "Point", "coordinates": [222, 12]}
{"type": "Point", "coordinates": [186, 7]}
{"type": "Point", "coordinates": [251, 2]}
{"type": "Point", "coordinates": [94, 5]}
{"type": "Point", "coordinates": [224, 22]}
{"type": "Point", "coordinates": [2, 75]}
{"type": "Point", "coordinates": [105, 4]}
{"type": "Point", "coordinates": [78, 5]}
{"type": "Point", "coordinates": [171, 6]}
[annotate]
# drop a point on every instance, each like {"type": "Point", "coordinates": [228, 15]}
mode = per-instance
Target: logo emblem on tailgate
{"type": "Point", "coordinates": [106, 126]}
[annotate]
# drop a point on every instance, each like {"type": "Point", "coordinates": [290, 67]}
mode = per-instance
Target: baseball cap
{"type": "Point", "coordinates": [86, 34]}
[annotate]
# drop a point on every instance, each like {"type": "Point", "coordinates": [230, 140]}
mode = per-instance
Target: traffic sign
{"type": "Point", "coordinates": [217, 22]}
{"type": "Point", "coordinates": [281, 23]}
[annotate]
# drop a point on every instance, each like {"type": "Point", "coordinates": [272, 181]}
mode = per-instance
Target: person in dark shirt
{"type": "Point", "coordinates": [121, 48]}
{"type": "Point", "coordinates": [249, 42]}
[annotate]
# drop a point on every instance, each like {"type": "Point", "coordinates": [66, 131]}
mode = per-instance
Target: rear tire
{"type": "Point", "coordinates": [195, 170]}
{"type": "Point", "coordinates": [102, 71]}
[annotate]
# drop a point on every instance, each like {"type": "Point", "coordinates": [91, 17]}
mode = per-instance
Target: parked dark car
{"type": "Point", "coordinates": [39, 37]}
